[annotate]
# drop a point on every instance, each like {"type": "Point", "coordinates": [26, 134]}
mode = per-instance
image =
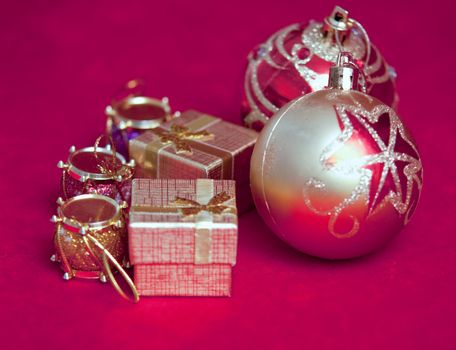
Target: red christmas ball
{"type": "Point", "coordinates": [296, 61]}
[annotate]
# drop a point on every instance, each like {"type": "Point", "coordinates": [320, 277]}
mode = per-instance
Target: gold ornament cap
{"type": "Point", "coordinates": [346, 75]}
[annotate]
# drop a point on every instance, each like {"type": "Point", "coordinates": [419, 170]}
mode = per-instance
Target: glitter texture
{"type": "Point", "coordinates": [89, 172]}
{"type": "Point", "coordinates": [119, 191]}
{"type": "Point", "coordinates": [296, 61]}
{"type": "Point", "coordinates": [387, 157]}
{"type": "Point", "coordinates": [77, 258]}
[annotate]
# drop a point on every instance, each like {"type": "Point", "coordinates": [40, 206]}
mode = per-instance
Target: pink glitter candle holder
{"type": "Point", "coordinates": [96, 170]}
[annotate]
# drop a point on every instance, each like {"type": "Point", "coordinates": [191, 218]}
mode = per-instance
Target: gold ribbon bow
{"type": "Point", "coordinates": [214, 206]}
{"type": "Point", "coordinates": [179, 134]}
{"type": "Point", "coordinates": [203, 235]}
{"type": "Point", "coordinates": [111, 166]}
{"type": "Point", "coordinates": [182, 140]}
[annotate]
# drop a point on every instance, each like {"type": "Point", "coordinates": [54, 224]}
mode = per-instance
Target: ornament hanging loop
{"type": "Point", "coordinates": [340, 24]}
{"type": "Point", "coordinates": [132, 88]}
{"type": "Point", "coordinates": [109, 144]}
{"type": "Point", "coordinates": [355, 24]}
{"type": "Point", "coordinates": [107, 260]}
{"type": "Point", "coordinates": [336, 26]}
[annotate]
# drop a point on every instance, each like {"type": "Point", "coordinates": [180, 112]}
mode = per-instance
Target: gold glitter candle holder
{"type": "Point", "coordinates": [91, 237]}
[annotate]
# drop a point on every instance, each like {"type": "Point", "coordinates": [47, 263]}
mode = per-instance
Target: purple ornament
{"type": "Point", "coordinates": [131, 113]}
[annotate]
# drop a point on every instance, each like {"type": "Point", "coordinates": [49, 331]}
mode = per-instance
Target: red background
{"type": "Point", "coordinates": [61, 61]}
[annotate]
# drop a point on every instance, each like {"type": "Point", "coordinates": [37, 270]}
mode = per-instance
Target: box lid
{"type": "Point", "coordinates": [213, 148]}
{"type": "Point", "coordinates": [183, 221]}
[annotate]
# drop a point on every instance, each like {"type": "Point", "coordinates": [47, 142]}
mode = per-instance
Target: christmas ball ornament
{"type": "Point", "coordinates": [130, 114]}
{"type": "Point", "coordinates": [99, 170]}
{"type": "Point", "coordinates": [296, 61]}
{"type": "Point", "coordinates": [90, 237]}
{"type": "Point", "coordinates": [336, 173]}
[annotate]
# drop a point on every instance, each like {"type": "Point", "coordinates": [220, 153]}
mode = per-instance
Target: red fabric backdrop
{"type": "Point", "coordinates": [60, 63]}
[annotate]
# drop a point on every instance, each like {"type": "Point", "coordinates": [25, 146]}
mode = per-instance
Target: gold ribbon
{"type": "Point", "coordinates": [112, 168]}
{"type": "Point", "coordinates": [190, 207]}
{"type": "Point", "coordinates": [204, 217]}
{"type": "Point", "coordinates": [203, 213]}
{"type": "Point", "coordinates": [214, 206]}
{"type": "Point", "coordinates": [179, 136]}
{"type": "Point", "coordinates": [184, 138]}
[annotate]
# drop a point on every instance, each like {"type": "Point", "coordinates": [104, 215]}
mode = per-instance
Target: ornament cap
{"type": "Point", "coordinates": [345, 75]}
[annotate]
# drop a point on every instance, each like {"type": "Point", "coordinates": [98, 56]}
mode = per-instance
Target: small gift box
{"type": "Point", "coordinates": [197, 145]}
{"type": "Point", "coordinates": [183, 236]}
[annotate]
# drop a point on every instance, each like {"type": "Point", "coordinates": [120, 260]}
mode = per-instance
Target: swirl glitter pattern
{"type": "Point", "coordinates": [303, 55]}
